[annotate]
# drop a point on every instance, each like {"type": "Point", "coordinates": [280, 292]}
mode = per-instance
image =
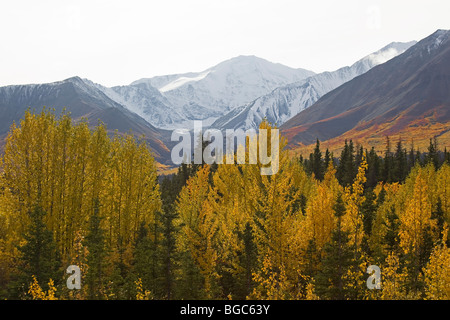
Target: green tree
{"type": "Point", "coordinates": [388, 163]}
{"type": "Point", "coordinates": [433, 155]}
{"type": "Point", "coordinates": [317, 162]}
{"type": "Point", "coordinates": [400, 164]}
{"type": "Point", "coordinates": [331, 281]}
{"type": "Point", "coordinates": [346, 170]}
{"type": "Point", "coordinates": [95, 242]}
{"type": "Point", "coordinates": [38, 256]}
{"type": "Point", "coordinates": [373, 168]}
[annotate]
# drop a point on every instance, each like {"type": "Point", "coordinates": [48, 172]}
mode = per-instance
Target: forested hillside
{"type": "Point", "coordinates": [70, 195]}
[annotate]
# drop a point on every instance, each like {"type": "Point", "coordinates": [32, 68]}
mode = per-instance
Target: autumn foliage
{"type": "Point", "coordinates": [214, 231]}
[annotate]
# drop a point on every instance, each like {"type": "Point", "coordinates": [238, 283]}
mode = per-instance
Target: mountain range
{"type": "Point", "coordinates": [408, 96]}
{"type": "Point", "coordinates": [284, 102]}
{"type": "Point", "coordinates": [173, 101]}
{"type": "Point", "coordinates": [82, 100]}
{"type": "Point", "coordinates": [402, 88]}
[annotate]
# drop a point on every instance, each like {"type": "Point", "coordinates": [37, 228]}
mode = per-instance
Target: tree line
{"type": "Point", "coordinates": [70, 195]}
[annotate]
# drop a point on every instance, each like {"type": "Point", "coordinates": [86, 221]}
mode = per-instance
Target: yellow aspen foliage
{"type": "Point", "coordinates": [232, 214]}
{"type": "Point", "coordinates": [416, 217]}
{"type": "Point", "coordinates": [199, 227]}
{"type": "Point", "coordinates": [142, 294]}
{"type": "Point", "coordinates": [191, 198]}
{"type": "Point", "coordinates": [274, 217]}
{"type": "Point", "coordinates": [66, 168]}
{"type": "Point", "coordinates": [429, 178]}
{"type": "Point", "coordinates": [320, 220]}
{"type": "Point", "coordinates": [132, 193]}
{"type": "Point", "coordinates": [355, 280]}
{"type": "Point", "coordinates": [271, 282]}
{"type": "Point", "coordinates": [203, 249]}
{"type": "Point", "coordinates": [353, 198]}
{"type": "Point", "coordinates": [437, 272]}
{"type": "Point", "coordinates": [310, 294]}
{"type": "Point", "coordinates": [393, 279]}
{"type": "Point", "coordinates": [443, 189]}
{"type": "Point", "coordinates": [36, 292]}
{"type": "Point", "coordinates": [381, 222]}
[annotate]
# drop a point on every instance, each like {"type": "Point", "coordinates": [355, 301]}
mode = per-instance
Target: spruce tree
{"type": "Point", "coordinates": [330, 281]}
{"type": "Point", "coordinates": [169, 254]}
{"type": "Point", "coordinates": [95, 242]}
{"type": "Point", "coordinates": [240, 285]}
{"type": "Point", "coordinates": [439, 216]}
{"type": "Point", "coordinates": [317, 162]}
{"type": "Point", "coordinates": [391, 237]}
{"type": "Point", "coordinates": [39, 256]}
{"type": "Point", "coordinates": [327, 159]}
{"type": "Point", "coordinates": [346, 170]}
{"type": "Point", "coordinates": [411, 158]}
{"type": "Point", "coordinates": [368, 211]}
{"type": "Point", "coordinates": [446, 156]}
{"type": "Point", "coordinates": [400, 163]}
{"type": "Point", "coordinates": [388, 163]}
{"type": "Point", "coordinates": [433, 155]}
{"type": "Point", "coordinates": [373, 168]}
{"type": "Point", "coordinates": [147, 261]}
{"type": "Point", "coordinates": [418, 158]}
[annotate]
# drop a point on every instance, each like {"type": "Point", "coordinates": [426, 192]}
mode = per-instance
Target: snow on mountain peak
{"type": "Point", "coordinates": [382, 57]}
{"type": "Point", "coordinates": [286, 101]}
{"type": "Point", "coordinates": [439, 37]}
{"type": "Point", "coordinates": [182, 80]}
{"type": "Point", "coordinates": [388, 52]}
{"type": "Point", "coordinates": [208, 94]}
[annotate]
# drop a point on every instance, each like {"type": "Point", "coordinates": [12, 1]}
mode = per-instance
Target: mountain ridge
{"type": "Point", "coordinates": [207, 94]}
{"type": "Point", "coordinates": [81, 100]}
{"type": "Point", "coordinates": [285, 102]}
{"type": "Point", "coordinates": [408, 92]}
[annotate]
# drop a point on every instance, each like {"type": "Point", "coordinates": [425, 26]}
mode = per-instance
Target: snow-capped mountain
{"type": "Point", "coordinates": [204, 95]}
{"type": "Point", "coordinates": [286, 101]}
{"type": "Point", "coordinates": [408, 97]}
{"type": "Point", "coordinates": [146, 101]}
{"type": "Point", "coordinates": [82, 99]}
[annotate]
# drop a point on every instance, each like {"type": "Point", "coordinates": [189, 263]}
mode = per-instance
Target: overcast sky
{"type": "Point", "coordinates": [117, 42]}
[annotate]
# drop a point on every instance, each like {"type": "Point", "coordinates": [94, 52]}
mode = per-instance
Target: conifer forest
{"type": "Point", "coordinates": [72, 195]}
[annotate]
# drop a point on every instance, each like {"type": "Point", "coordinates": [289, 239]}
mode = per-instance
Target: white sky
{"type": "Point", "coordinates": [117, 42]}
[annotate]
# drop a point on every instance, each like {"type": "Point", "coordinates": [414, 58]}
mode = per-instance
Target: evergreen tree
{"type": "Point", "coordinates": [400, 163]}
{"type": "Point", "coordinates": [327, 159]}
{"type": "Point", "coordinates": [388, 163]}
{"type": "Point", "coordinates": [418, 158]}
{"type": "Point", "coordinates": [330, 281]}
{"type": "Point", "coordinates": [391, 237]}
{"type": "Point", "coordinates": [368, 211]}
{"type": "Point", "coordinates": [38, 256]}
{"type": "Point", "coordinates": [317, 162]}
{"type": "Point", "coordinates": [95, 242]}
{"type": "Point", "coordinates": [312, 257]}
{"type": "Point", "coordinates": [411, 158]}
{"type": "Point", "coordinates": [248, 259]}
{"type": "Point", "coordinates": [359, 156]}
{"type": "Point", "coordinates": [147, 262]}
{"type": "Point", "coordinates": [373, 168]}
{"type": "Point", "coordinates": [433, 155]}
{"type": "Point", "coordinates": [346, 170]}
{"type": "Point", "coordinates": [439, 216]}
{"type": "Point", "coordinates": [168, 250]}
{"type": "Point", "coordinates": [446, 156]}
